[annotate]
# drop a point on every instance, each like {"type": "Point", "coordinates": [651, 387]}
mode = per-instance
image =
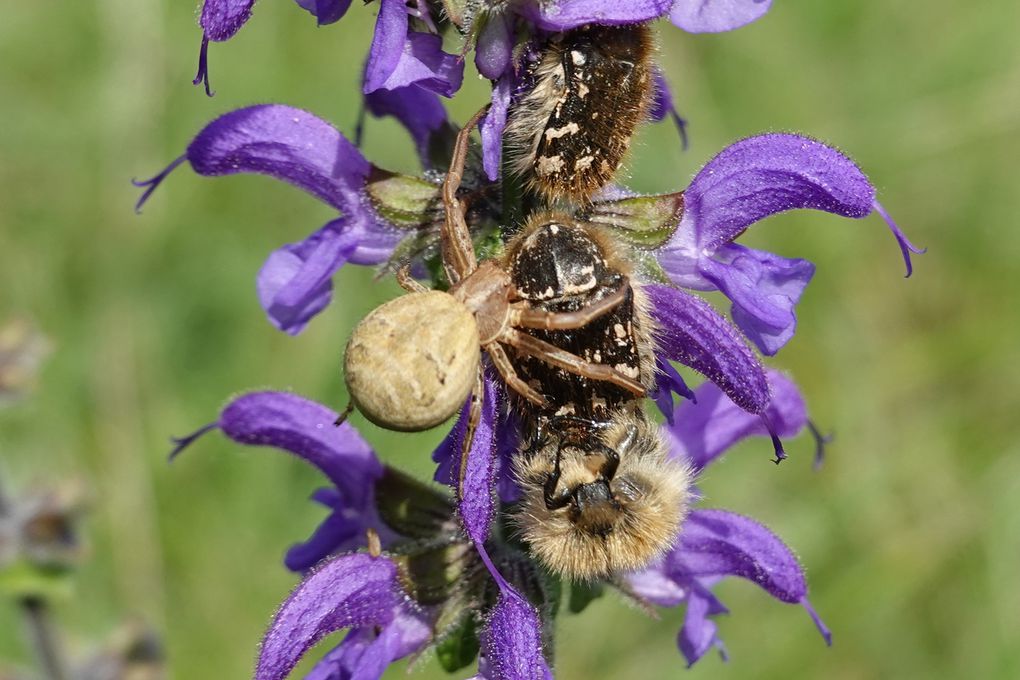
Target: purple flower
{"type": "Point", "coordinates": [714, 544]}
{"type": "Point", "coordinates": [401, 56]}
{"type": "Point", "coordinates": [305, 429]}
{"type": "Point", "coordinates": [694, 16]}
{"type": "Point", "coordinates": [746, 182]}
{"type": "Point", "coordinates": [297, 147]}
{"type": "Point", "coordinates": [355, 591]}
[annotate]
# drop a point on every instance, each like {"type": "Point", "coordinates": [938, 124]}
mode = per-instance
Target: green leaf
{"type": "Point", "coordinates": [408, 202]}
{"type": "Point", "coordinates": [642, 221]}
{"type": "Point", "coordinates": [460, 647]}
{"type": "Point", "coordinates": [583, 594]}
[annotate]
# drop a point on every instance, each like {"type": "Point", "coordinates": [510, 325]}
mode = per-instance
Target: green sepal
{"type": "Point", "coordinates": [642, 221]}
{"type": "Point", "coordinates": [405, 201]}
{"type": "Point", "coordinates": [413, 508]}
{"type": "Point", "coordinates": [458, 11]}
{"type": "Point", "coordinates": [433, 574]}
{"type": "Point", "coordinates": [460, 646]}
{"type": "Point", "coordinates": [583, 594]}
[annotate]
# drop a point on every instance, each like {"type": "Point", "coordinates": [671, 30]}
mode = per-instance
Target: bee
{"type": "Point", "coordinates": [601, 496]}
{"type": "Point", "coordinates": [411, 363]}
{"type": "Point", "coordinates": [600, 492]}
{"type": "Point", "coordinates": [592, 86]}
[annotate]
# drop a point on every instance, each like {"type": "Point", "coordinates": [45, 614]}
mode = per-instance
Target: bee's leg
{"type": "Point", "coordinates": [554, 356]}
{"type": "Point", "coordinates": [523, 315]}
{"type": "Point", "coordinates": [552, 501]}
{"type": "Point", "coordinates": [454, 236]}
{"type": "Point", "coordinates": [608, 470]}
{"type": "Point", "coordinates": [407, 282]}
{"type": "Point", "coordinates": [506, 369]}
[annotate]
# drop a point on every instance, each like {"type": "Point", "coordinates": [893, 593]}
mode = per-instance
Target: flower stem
{"type": "Point", "coordinates": [44, 638]}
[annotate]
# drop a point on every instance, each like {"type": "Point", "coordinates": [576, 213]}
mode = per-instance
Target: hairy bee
{"type": "Point", "coordinates": [592, 86]}
{"type": "Point", "coordinates": [601, 497]}
{"type": "Point", "coordinates": [601, 494]}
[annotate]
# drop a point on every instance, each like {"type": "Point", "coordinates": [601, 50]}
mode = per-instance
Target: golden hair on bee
{"type": "Point", "coordinates": [586, 524]}
{"type": "Point", "coordinates": [592, 86]}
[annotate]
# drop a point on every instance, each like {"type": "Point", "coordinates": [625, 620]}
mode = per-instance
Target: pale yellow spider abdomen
{"type": "Point", "coordinates": [411, 363]}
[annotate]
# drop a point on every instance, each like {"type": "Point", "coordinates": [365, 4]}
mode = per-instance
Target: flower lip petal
{"type": "Point", "coordinates": [764, 289]}
{"type": "Point", "coordinates": [562, 15]}
{"type": "Point", "coordinates": [387, 43]}
{"type": "Point", "coordinates": [716, 16]}
{"type": "Point", "coordinates": [694, 334]}
{"type": "Point", "coordinates": [325, 11]}
{"type": "Point", "coordinates": [704, 429]}
{"type": "Point", "coordinates": [348, 591]}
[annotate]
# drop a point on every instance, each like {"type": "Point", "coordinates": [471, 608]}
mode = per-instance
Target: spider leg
{"type": "Point", "coordinates": [525, 316]}
{"type": "Point", "coordinates": [506, 369]}
{"type": "Point", "coordinates": [407, 282]}
{"type": "Point", "coordinates": [474, 416]}
{"type": "Point", "coordinates": [554, 356]}
{"type": "Point", "coordinates": [458, 251]}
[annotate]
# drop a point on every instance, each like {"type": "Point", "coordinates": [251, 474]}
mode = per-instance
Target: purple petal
{"type": "Point", "coordinates": [704, 429]}
{"type": "Point", "coordinates": [286, 143]}
{"type": "Point", "coordinates": [560, 15]}
{"type": "Point", "coordinates": [667, 382]}
{"type": "Point", "coordinates": [326, 11]}
{"type": "Point", "coordinates": [698, 633]}
{"type": "Point", "coordinates": [716, 16]}
{"type": "Point", "coordinates": [305, 428]}
{"type": "Point", "coordinates": [417, 109]}
{"type": "Point", "coordinates": [350, 591]}
{"type": "Point", "coordinates": [512, 640]}
{"type": "Point", "coordinates": [221, 19]}
{"type": "Point", "coordinates": [474, 484]}
{"type": "Point", "coordinates": [694, 334]}
{"type": "Point", "coordinates": [494, 48]}
{"type": "Point", "coordinates": [365, 654]}
{"type": "Point", "coordinates": [492, 127]}
{"type": "Point", "coordinates": [768, 174]}
{"type": "Point", "coordinates": [764, 289]}
{"type": "Point", "coordinates": [400, 57]}
{"type": "Point", "coordinates": [339, 532]}
{"type": "Point", "coordinates": [387, 43]}
{"type": "Point", "coordinates": [295, 283]}
{"type": "Point", "coordinates": [716, 543]}
{"type": "Point", "coordinates": [654, 585]}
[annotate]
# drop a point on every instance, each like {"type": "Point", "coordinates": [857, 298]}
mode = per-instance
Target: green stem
{"type": "Point", "coordinates": [44, 638]}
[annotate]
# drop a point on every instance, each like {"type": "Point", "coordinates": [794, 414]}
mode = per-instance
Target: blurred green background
{"type": "Point", "coordinates": [910, 533]}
